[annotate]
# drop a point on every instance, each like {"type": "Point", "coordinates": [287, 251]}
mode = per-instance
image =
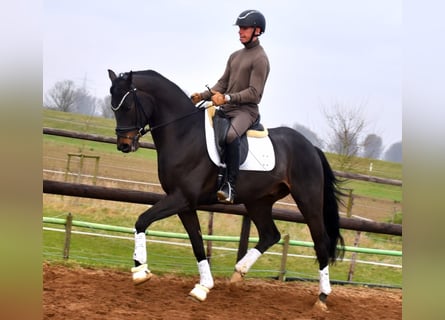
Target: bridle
{"type": "Point", "coordinates": [121, 132]}
{"type": "Point", "coordinates": [123, 99]}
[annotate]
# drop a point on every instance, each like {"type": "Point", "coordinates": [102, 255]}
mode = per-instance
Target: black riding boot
{"type": "Point", "coordinates": [227, 192]}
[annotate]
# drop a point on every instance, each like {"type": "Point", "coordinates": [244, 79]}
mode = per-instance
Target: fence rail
{"type": "Point", "coordinates": [141, 197]}
{"type": "Point", "coordinates": [164, 234]}
{"type": "Point", "coordinates": [148, 145]}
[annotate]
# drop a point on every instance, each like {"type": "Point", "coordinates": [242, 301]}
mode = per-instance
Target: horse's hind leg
{"type": "Point", "coordinates": [312, 210]}
{"type": "Point", "coordinates": [191, 224]}
{"type": "Point", "coordinates": [261, 214]}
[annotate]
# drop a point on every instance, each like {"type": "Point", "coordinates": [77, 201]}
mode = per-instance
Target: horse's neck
{"type": "Point", "coordinates": [171, 100]}
{"type": "Point", "coordinates": [179, 130]}
{"type": "Point", "coordinates": [175, 118]}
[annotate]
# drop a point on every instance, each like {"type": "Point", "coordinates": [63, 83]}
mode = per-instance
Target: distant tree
{"type": "Point", "coordinates": [394, 153]}
{"type": "Point", "coordinates": [105, 107]}
{"type": "Point", "coordinates": [85, 102]}
{"type": "Point", "coordinates": [309, 134]}
{"type": "Point", "coordinates": [347, 124]}
{"type": "Point", "coordinates": [62, 96]}
{"type": "Point", "coordinates": [372, 146]}
{"type": "Point", "coordinates": [65, 96]}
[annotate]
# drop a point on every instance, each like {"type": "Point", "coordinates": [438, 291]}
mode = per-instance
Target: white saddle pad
{"type": "Point", "coordinates": [260, 157]}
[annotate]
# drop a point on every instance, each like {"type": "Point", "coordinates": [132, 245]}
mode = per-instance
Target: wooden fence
{"type": "Point", "coordinates": [140, 197]}
{"type": "Point", "coordinates": [148, 145]}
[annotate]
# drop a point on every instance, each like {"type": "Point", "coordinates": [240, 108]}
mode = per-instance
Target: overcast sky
{"type": "Point", "coordinates": [321, 52]}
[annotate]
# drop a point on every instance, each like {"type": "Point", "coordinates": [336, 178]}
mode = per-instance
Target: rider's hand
{"type": "Point", "coordinates": [196, 97]}
{"type": "Point", "coordinates": [218, 98]}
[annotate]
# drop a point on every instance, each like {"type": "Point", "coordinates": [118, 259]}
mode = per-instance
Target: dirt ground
{"type": "Point", "coordinates": [80, 293]}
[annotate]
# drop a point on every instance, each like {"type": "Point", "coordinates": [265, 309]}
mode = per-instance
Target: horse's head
{"type": "Point", "coordinates": [131, 118]}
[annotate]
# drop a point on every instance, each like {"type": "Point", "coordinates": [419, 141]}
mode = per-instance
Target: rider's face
{"type": "Point", "coordinates": [245, 33]}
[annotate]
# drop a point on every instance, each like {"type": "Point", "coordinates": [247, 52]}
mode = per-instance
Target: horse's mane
{"type": "Point", "coordinates": [149, 73]}
{"type": "Point", "coordinates": [154, 74]}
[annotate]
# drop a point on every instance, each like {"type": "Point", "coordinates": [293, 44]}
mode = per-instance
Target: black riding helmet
{"type": "Point", "coordinates": [251, 18]}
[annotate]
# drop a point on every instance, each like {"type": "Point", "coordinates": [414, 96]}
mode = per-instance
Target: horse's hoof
{"type": "Point", "coordinates": [199, 292]}
{"type": "Point", "coordinates": [320, 305]}
{"type": "Point", "coordinates": [141, 274]}
{"type": "Point", "coordinates": [236, 277]}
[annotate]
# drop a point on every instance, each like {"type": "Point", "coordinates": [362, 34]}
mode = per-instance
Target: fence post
{"type": "Point", "coordinates": [282, 276]}
{"type": "Point", "coordinates": [353, 257]}
{"type": "Point", "coordinates": [349, 204]}
{"type": "Point", "coordinates": [67, 168]}
{"type": "Point", "coordinates": [68, 227]}
{"type": "Point", "coordinates": [82, 157]}
{"type": "Point", "coordinates": [96, 170]}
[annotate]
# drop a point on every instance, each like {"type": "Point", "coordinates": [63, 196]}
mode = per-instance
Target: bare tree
{"type": "Point", "coordinates": [62, 96]}
{"type": "Point", "coordinates": [347, 124]}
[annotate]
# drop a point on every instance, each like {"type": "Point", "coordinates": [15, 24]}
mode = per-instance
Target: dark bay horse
{"type": "Point", "coordinates": [188, 177]}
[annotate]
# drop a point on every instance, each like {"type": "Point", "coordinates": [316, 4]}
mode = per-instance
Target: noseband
{"type": "Point", "coordinates": [121, 132]}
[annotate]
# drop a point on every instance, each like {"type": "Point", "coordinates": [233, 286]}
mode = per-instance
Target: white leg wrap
{"type": "Point", "coordinates": [244, 265]}
{"type": "Point", "coordinates": [205, 275]}
{"type": "Point", "coordinates": [325, 285]}
{"type": "Point", "coordinates": [140, 250]}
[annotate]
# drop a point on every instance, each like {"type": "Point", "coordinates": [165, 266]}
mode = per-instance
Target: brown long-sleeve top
{"type": "Point", "coordinates": [244, 78]}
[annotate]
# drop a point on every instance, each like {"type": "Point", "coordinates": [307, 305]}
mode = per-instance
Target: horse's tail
{"type": "Point", "coordinates": [331, 216]}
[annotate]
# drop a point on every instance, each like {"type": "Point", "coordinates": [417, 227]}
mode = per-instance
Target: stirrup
{"type": "Point", "coordinates": [226, 197]}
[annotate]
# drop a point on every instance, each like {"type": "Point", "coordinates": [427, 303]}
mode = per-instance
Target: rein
{"type": "Point", "coordinates": [142, 130]}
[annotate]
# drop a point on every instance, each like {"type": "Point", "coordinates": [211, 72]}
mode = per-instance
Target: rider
{"type": "Point", "coordinates": [239, 91]}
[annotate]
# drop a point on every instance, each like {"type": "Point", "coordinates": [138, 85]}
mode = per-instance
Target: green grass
{"type": "Point", "coordinates": [97, 148]}
{"type": "Point", "coordinates": [116, 253]}
{"type": "Point", "coordinates": [78, 122]}
{"type": "Point", "coordinates": [373, 190]}
{"type": "Point", "coordinates": [380, 168]}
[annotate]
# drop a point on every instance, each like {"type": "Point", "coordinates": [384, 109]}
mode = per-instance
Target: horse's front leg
{"type": "Point", "coordinates": [191, 224]}
{"type": "Point", "coordinates": [164, 208]}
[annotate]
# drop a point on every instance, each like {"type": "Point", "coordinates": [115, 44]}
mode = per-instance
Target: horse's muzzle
{"type": "Point", "coordinates": [126, 148]}
{"type": "Point", "coordinates": [127, 143]}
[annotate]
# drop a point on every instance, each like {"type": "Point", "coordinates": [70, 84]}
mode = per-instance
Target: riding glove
{"type": "Point", "coordinates": [218, 98]}
{"type": "Point", "coordinates": [196, 97]}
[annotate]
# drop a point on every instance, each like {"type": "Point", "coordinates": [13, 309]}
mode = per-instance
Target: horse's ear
{"type": "Point", "coordinates": [130, 77]}
{"type": "Point", "coordinates": [112, 75]}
